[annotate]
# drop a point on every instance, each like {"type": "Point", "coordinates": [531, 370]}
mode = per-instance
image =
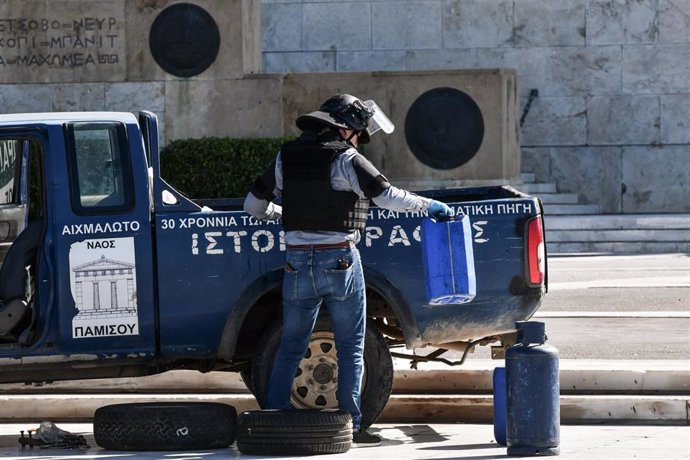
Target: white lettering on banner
{"type": "Point", "coordinates": [480, 231]}
{"type": "Point", "coordinates": [236, 239]}
{"type": "Point", "coordinates": [105, 330]}
{"type": "Point", "coordinates": [253, 222]}
{"type": "Point", "coordinates": [475, 209]}
{"type": "Point", "coordinates": [524, 207]}
{"type": "Point", "coordinates": [211, 238]}
{"type": "Point", "coordinates": [514, 208]}
{"type": "Point", "coordinates": [255, 240]}
{"type": "Point", "coordinates": [263, 240]}
{"type": "Point", "coordinates": [398, 235]}
{"type": "Point", "coordinates": [386, 214]}
{"type": "Point", "coordinates": [220, 241]}
{"type": "Point", "coordinates": [370, 234]}
{"type": "Point", "coordinates": [417, 234]}
{"type": "Point", "coordinates": [203, 222]}
{"type": "Point", "coordinates": [195, 244]}
{"type": "Point", "coordinates": [107, 227]}
{"type": "Point", "coordinates": [282, 240]}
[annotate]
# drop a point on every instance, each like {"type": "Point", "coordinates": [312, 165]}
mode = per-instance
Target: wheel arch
{"type": "Point", "coordinates": [265, 292]}
{"type": "Point", "coordinates": [391, 295]}
{"type": "Point", "coordinates": [251, 298]}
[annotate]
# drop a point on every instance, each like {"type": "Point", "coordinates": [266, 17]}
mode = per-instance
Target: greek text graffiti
{"type": "Point", "coordinates": [59, 39]}
{"type": "Point", "coordinates": [49, 42]}
{"type": "Point", "coordinates": [107, 227]}
{"type": "Point", "coordinates": [235, 233]}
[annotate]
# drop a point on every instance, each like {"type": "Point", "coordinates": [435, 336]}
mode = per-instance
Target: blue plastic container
{"type": "Point", "coordinates": [532, 396]}
{"type": "Point", "coordinates": [448, 261]}
{"type": "Point", "coordinates": [499, 379]}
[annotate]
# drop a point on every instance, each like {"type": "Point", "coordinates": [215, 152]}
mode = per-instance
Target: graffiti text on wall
{"type": "Point", "coordinates": [55, 43]}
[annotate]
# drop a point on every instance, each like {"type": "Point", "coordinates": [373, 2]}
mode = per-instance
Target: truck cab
{"type": "Point", "coordinates": [78, 271]}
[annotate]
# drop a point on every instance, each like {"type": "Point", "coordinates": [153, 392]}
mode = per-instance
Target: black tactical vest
{"type": "Point", "coordinates": [309, 201]}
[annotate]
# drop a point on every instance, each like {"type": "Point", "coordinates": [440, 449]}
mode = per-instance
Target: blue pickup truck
{"type": "Point", "coordinates": [108, 271]}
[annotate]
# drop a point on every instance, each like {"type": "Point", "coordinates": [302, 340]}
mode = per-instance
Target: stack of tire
{"type": "Point", "coordinates": [197, 426]}
{"type": "Point", "coordinates": [298, 432]}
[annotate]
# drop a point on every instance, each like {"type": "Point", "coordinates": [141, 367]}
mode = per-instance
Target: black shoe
{"type": "Point", "coordinates": [363, 439]}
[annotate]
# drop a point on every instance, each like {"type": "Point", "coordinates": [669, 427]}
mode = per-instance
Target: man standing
{"type": "Point", "coordinates": [325, 185]}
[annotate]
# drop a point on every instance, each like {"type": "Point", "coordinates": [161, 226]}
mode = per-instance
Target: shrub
{"type": "Point", "coordinates": [213, 167]}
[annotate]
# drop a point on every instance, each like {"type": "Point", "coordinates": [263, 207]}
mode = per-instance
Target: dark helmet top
{"type": "Point", "coordinates": [344, 111]}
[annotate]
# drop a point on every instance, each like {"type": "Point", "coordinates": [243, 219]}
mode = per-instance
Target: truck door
{"type": "Point", "coordinates": [104, 263]}
{"type": "Point", "coordinates": [21, 227]}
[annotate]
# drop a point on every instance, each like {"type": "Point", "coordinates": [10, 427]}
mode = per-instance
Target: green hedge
{"type": "Point", "coordinates": [214, 167]}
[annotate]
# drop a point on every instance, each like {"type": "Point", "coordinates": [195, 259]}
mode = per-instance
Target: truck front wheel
{"type": "Point", "coordinates": [315, 382]}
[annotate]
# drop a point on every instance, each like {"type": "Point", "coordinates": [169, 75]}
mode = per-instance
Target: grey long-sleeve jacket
{"type": "Point", "coordinates": [343, 178]}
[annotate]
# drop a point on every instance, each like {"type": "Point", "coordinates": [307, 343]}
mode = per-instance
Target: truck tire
{"type": "Point", "coordinates": [377, 379]}
{"type": "Point", "coordinates": [165, 426]}
{"type": "Point", "coordinates": [298, 432]}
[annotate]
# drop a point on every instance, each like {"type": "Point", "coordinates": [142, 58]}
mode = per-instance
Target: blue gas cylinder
{"type": "Point", "coordinates": [532, 394]}
{"type": "Point", "coordinates": [499, 379]}
{"type": "Point", "coordinates": [448, 259]}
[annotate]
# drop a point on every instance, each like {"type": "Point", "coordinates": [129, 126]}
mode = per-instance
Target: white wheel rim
{"type": "Point", "coordinates": [316, 382]}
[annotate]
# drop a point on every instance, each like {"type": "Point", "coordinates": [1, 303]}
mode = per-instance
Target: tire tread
{"type": "Point", "coordinates": [156, 426]}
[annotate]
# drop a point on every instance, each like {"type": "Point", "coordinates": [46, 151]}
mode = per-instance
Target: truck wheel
{"type": "Point", "coordinates": [301, 432]}
{"type": "Point", "coordinates": [165, 426]}
{"type": "Point", "coordinates": [315, 382]}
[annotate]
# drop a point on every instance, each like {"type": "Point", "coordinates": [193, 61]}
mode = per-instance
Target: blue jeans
{"type": "Point", "coordinates": [315, 279]}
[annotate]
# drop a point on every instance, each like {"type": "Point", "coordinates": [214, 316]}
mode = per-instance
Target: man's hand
{"type": "Point", "coordinates": [438, 209]}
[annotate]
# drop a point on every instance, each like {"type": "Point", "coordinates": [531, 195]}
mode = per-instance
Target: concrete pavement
{"type": "Point", "coordinates": [415, 441]}
{"type": "Point", "coordinates": [591, 391]}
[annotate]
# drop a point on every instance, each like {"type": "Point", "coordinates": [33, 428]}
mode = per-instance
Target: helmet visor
{"type": "Point", "coordinates": [379, 120]}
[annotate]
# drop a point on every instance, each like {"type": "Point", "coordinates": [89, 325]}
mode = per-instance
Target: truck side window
{"type": "Point", "coordinates": [101, 179]}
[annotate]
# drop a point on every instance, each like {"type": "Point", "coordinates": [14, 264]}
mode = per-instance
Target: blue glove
{"type": "Point", "coordinates": [438, 209]}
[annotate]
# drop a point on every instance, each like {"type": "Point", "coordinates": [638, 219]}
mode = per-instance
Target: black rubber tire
{"type": "Point", "coordinates": [298, 432]}
{"type": "Point", "coordinates": [378, 368]}
{"type": "Point", "coordinates": [165, 426]}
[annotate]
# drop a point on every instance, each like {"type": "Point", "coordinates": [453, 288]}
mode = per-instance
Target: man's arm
{"type": "Point", "coordinates": [368, 181]}
{"type": "Point", "coordinates": [262, 209]}
{"type": "Point", "coordinates": [397, 199]}
{"type": "Point", "coordinates": [258, 201]}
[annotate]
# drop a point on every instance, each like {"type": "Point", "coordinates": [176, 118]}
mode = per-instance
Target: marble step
{"type": "Point", "coordinates": [528, 177]}
{"type": "Point", "coordinates": [552, 209]}
{"type": "Point", "coordinates": [627, 235]}
{"type": "Point", "coordinates": [617, 222]}
{"type": "Point", "coordinates": [559, 198]}
{"type": "Point", "coordinates": [638, 247]}
{"type": "Point", "coordinates": [538, 188]}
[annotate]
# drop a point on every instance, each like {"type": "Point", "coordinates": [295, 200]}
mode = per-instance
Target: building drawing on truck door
{"type": "Point", "coordinates": [103, 285]}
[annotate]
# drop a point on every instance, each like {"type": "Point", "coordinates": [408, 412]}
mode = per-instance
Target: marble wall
{"type": "Point", "coordinates": [611, 122]}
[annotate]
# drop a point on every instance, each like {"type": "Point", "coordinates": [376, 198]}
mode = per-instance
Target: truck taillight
{"type": "Point", "coordinates": [536, 252]}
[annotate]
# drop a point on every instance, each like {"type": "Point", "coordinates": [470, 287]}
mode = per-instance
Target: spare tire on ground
{"type": "Point", "coordinates": [294, 432]}
{"type": "Point", "coordinates": [165, 426]}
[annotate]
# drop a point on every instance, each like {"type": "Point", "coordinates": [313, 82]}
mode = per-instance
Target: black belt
{"type": "Point", "coordinates": [344, 244]}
